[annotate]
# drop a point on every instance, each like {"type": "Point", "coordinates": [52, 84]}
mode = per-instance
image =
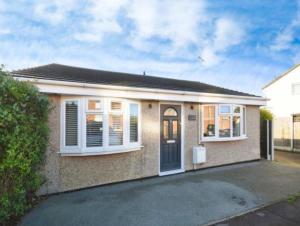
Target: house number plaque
{"type": "Point", "coordinates": [192, 117]}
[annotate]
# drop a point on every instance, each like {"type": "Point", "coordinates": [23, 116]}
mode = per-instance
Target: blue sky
{"type": "Point", "coordinates": [238, 44]}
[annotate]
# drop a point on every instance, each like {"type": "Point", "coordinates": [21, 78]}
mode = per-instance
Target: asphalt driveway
{"type": "Point", "coordinates": [193, 198]}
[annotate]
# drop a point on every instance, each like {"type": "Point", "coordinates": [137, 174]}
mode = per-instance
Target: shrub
{"type": "Point", "coordinates": [23, 141]}
{"type": "Point", "coordinates": [266, 114]}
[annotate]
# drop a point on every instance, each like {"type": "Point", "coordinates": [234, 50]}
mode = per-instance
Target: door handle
{"type": "Point", "coordinates": [170, 141]}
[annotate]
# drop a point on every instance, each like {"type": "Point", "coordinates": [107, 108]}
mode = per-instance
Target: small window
{"type": "Point", "coordinates": [134, 112]}
{"type": "Point", "coordinates": [237, 109]}
{"type": "Point", "coordinates": [170, 112]}
{"type": "Point", "coordinates": [209, 121]}
{"type": "Point", "coordinates": [175, 129]}
{"type": "Point", "coordinates": [166, 129]}
{"type": "Point", "coordinates": [94, 105]}
{"type": "Point", "coordinates": [296, 89]}
{"type": "Point", "coordinates": [71, 123]}
{"type": "Point", "coordinates": [223, 122]}
{"type": "Point", "coordinates": [116, 106]}
{"type": "Point", "coordinates": [224, 109]}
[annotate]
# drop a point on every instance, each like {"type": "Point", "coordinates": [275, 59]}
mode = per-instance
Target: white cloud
{"type": "Point", "coordinates": [283, 40]}
{"type": "Point", "coordinates": [4, 31]}
{"type": "Point", "coordinates": [2, 6]}
{"type": "Point", "coordinates": [174, 21]}
{"type": "Point", "coordinates": [54, 11]}
{"type": "Point", "coordinates": [103, 20]}
{"type": "Point", "coordinates": [144, 25]}
{"type": "Point", "coordinates": [227, 33]}
{"type": "Point", "coordinates": [165, 27]}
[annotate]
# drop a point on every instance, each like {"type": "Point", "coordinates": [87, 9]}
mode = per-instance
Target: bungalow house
{"type": "Point", "coordinates": [109, 126]}
{"type": "Point", "coordinates": [284, 98]}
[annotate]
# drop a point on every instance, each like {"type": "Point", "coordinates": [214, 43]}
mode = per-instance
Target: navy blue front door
{"type": "Point", "coordinates": [170, 138]}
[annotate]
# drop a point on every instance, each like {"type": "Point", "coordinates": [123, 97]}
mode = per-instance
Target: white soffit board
{"type": "Point", "coordinates": [75, 88]}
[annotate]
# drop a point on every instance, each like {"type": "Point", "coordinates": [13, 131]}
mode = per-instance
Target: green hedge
{"type": "Point", "coordinates": [265, 114]}
{"type": "Point", "coordinates": [23, 141]}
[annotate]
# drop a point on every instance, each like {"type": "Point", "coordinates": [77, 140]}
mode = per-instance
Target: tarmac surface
{"type": "Point", "coordinates": [192, 198]}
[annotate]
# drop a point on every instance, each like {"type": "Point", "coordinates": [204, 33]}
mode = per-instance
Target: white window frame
{"type": "Point", "coordinates": [217, 114]}
{"type": "Point", "coordinates": [139, 123]}
{"type": "Point", "coordinates": [124, 112]}
{"type": "Point", "coordinates": [83, 111]}
{"type": "Point", "coordinates": [202, 122]}
{"type": "Point", "coordinates": [244, 125]}
{"type": "Point", "coordinates": [87, 112]}
{"type": "Point", "coordinates": [94, 111]}
{"type": "Point", "coordinates": [63, 125]}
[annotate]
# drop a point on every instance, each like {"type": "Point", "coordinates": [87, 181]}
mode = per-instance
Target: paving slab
{"type": "Point", "coordinates": [193, 198]}
{"type": "Point", "coordinates": [281, 213]}
{"type": "Point", "coordinates": [261, 218]}
{"type": "Point", "coordinates": [286, 210]}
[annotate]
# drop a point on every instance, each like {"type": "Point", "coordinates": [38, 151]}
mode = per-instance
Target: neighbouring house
{"type": "Point", "coordinates": [284, 102]}
{"type": "Point", "coordinates": [109, 126]}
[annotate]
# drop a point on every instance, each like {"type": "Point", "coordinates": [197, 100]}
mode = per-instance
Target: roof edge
{"type": "Point", "coordinates": [19, 73]}
{"type": "Point", "coordinates": [281, 75]}
{"type": "Point", "coordinates": [129, 88]}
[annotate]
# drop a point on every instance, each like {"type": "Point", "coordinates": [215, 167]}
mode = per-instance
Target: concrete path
{"type": "Point", "coordinates": [288, 158]}
{"type": "Point", "coordinates": [282, 213]}
{"type": "Point", "coordinates": [193, 198]}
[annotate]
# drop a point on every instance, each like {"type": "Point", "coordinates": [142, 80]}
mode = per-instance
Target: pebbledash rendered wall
{"type": "Point", "coordinates": [69, 173]}
{"type": "Point", "coordinates": [226, 152]}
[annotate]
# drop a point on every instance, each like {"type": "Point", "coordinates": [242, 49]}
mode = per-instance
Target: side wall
{"type": "Point", "coordinates": [69, 173]}
{"type": "Point", "coordinates": [283, 103]}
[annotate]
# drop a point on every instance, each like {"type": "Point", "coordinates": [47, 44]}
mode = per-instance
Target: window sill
{"type": "Point", "coordinates": [223, 139]}
{"type": "Point", "coordinates": [90, 153]}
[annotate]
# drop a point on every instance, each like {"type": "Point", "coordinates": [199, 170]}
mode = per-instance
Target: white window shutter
{"type": "Point", "coordinates": [71, 123]}
{"type": "Point", "coordinates": [133, 127]}
{"type": "Point", "coordinates": [116, 129]}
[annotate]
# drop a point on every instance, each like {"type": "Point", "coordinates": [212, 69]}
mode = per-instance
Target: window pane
{"type": "Point", "coordinates": [175, 129]}
{"type": "Point", "coordinates": [244, 120]}
{"type": "Point", "coordinates": [166, 129]}
{"type": "Point", "coordinates": [224, 109]}
{"type": "Point", "coordinates": [224, 126]}
{"type": "Point", "coordinates": [236, 126]}
{"type": "Point", "coordinates": [94, 105]}
{"type": "Point", "coordinates": [116, 106]}
{"type": "Point", "coordinates": [170, 112]}
{"type": "Point", "coordinates": [134, 112]}
{"type": "Point", "coordinates": [115, 129]}
{"type": "Point", "coordinates": [295, 89]}
{"type": "Point", "coordinates": [237, 109]}
{"type": "Point", "coordinates": [209, 121]}
{"type": "Point", "coordinates": [71, 124]}
{"type": "Point", "coordinates": [94, 130]}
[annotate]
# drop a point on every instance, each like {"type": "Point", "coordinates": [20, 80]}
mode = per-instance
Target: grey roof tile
{"type": "Point", "coordinates": [76, 74]}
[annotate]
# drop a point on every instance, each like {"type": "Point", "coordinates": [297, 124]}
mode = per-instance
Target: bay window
{"type": "Point", "coordinates": [223, 122]}
{"type": "Point", "coordinates": [99, 125]}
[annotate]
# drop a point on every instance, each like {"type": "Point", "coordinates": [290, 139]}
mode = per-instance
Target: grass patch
{"type": "Point", "coordinates": [293, 198]}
